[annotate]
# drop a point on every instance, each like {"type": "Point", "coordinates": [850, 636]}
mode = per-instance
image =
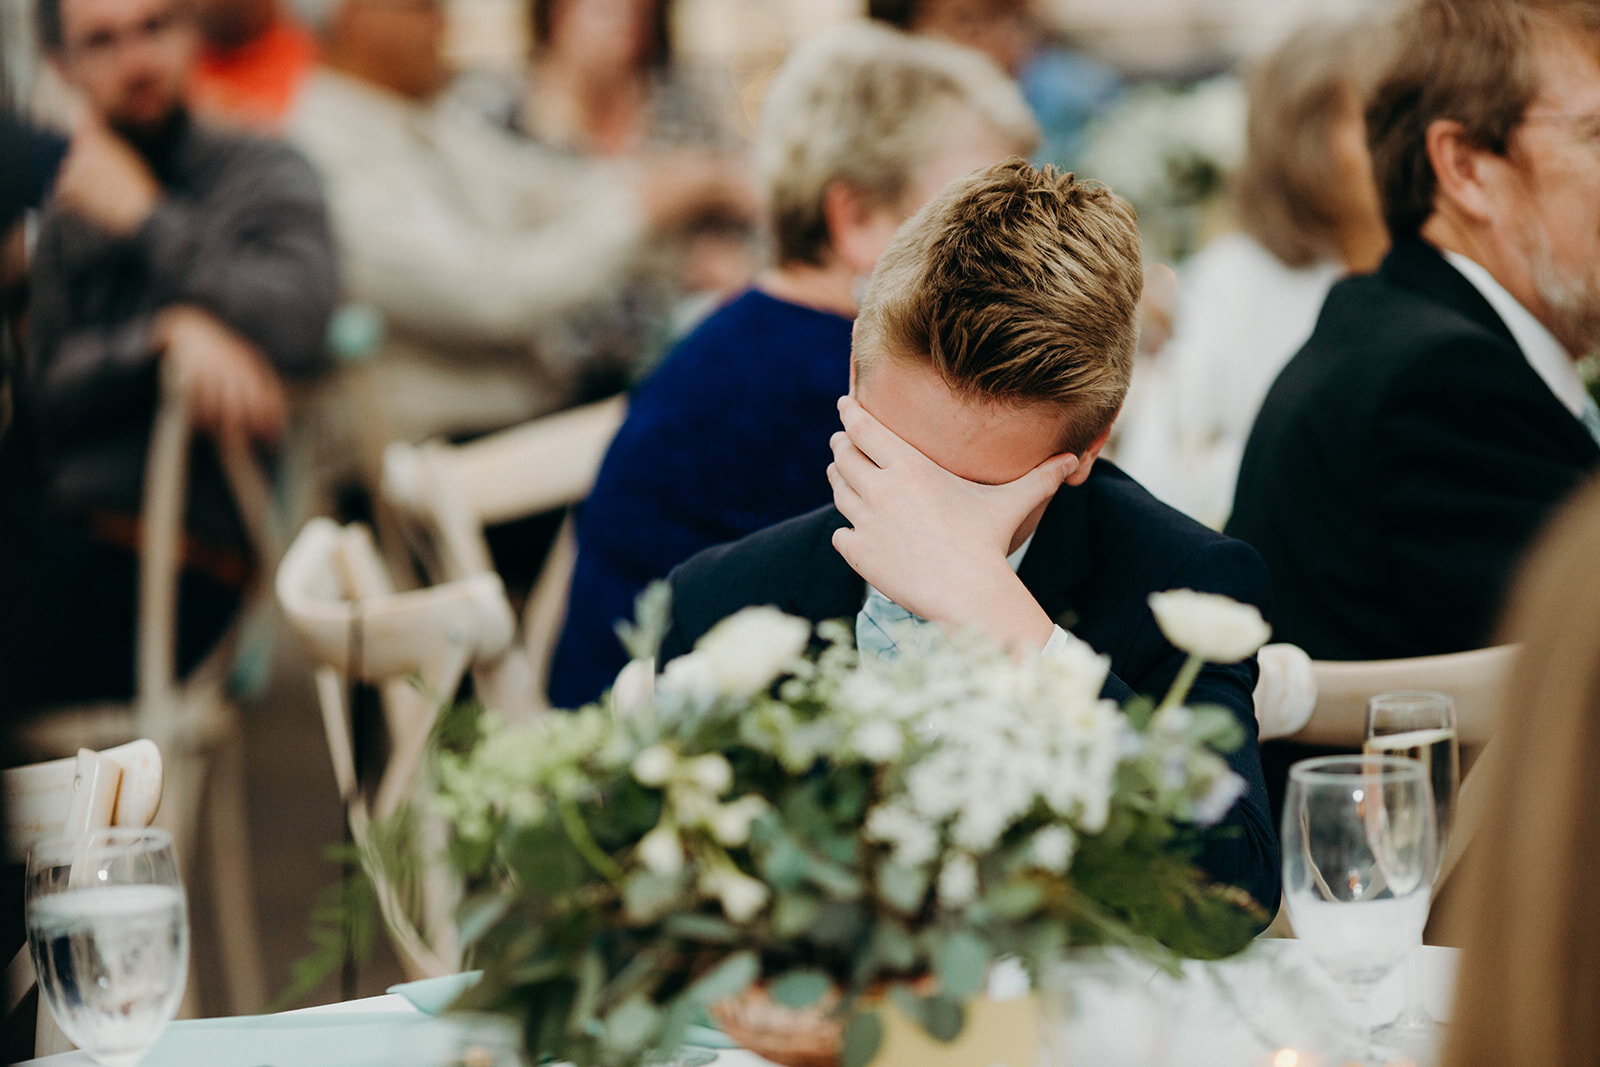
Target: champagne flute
{"type": "Point", "coordinates": [108, 930]}
{"type": "Point", "coordinates": [1358, 867]}
{"type": "Point", "coordinates": [1421, 726]}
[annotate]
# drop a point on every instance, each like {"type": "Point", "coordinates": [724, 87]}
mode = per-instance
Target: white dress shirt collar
{"type": "Point", "coordinates": [1548, 358]}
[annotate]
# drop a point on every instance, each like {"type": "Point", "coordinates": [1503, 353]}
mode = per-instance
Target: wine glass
{"type": "Point", "coordinates": [108, 929]}
{"type": "Point", "coordinates": [1421, 726]}
{"type": "Point", "coordinates": [1358, 866]}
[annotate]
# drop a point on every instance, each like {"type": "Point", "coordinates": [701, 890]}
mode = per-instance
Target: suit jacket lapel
{"type": "Point", "coordinates": [1417, 265]}
{"type": "Point", "coordinates": [1414, 264]}
{"type": "Point", "coordinates": [1057, 561]}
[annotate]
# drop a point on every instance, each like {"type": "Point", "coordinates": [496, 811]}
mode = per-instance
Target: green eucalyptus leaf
{"type": "Point", "coordinates": [784, 864]}
{"type": "Point", "coordinates": [960, 964]}
{"type": "Point", "coordinates": [478, 915]}
{"type": "Point", "coordinates": [692, 926]}
{"type": "Point", "coordinates": [863, 1036]}
{"type": "Point", "coordinates": [943, 1017]}
{"type": "Point", "coordinates": [839, 924]}
{"type": "Point", "coordinates": [1014, 900]}
{"type": "Point", "coordinates": [903, 888]}
{"type": "Point", "coordinates": [893, 948]}
{"type": "Point", "coordinates": [793, 912]}
{"type": "Point", "coordinates": [1139, 711]}
{"type": "Point", "coordinates": [800, 989]}
{"type": "Point", "coordinates": [729, 978]}
{"type": "Point", "coordinates": [1217, 728]}
{"type": "Point", "coordinates": [631, 1026]}
{"type": "Point", "coordinates": [833, 879]}
{"type": "Point", "coordinates": [648, 896]}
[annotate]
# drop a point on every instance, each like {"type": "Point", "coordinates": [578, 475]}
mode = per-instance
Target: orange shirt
{"type": "Point", "coordinates": [255, 84]}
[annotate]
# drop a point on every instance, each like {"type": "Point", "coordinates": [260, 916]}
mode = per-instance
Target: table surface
{"type": "Point", "coordinates": [1436, 973]}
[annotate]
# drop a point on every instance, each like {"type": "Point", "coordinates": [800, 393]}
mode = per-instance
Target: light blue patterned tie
{"type": "Point", "coordinates": [1590, 417]}
{"type": "Point", "coordinates": [881, 625]}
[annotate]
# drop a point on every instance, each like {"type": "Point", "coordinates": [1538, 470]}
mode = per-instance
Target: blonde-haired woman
{"type": "Point", "coordinates": [1529, 985]}
{"type": "Point", "coordinates": [1307, 213]}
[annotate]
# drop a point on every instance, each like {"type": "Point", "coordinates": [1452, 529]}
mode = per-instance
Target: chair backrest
{"type": "Point", "coordinates": [337, 597]}
{"type": "Point", "coordinates": [117, 787]}
{"type": "Point", "coordinates": [165, 492]}
{"type": "Point", "coordinates": [452, 492]}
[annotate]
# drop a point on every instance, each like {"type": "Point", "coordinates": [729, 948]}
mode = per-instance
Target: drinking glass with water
{"type": "Point", "coordinates": [108, 929]}
{"type": "Point", "coordinates": [1358, 867]}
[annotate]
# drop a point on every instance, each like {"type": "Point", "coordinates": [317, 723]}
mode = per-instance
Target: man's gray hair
{"type": "Point", "coordinates": [866, 105]}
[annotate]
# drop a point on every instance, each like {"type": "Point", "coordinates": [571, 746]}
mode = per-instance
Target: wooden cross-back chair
{"type": "Point", "coordinates": [193, 720]}
{"type": "Point", "coordinates": [71, 797]}
{"type": "Point", "coordinates": [449, 493]}
{"type": "Point", "coordinates": [415, 647]}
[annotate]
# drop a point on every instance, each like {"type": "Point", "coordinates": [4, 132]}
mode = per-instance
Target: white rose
{"type": "Point", "coordinates": [661, 851]}
{"type": "Point", "coordinates": [691, 677]}
{"type": "Point", "coordinates": [1216, 628]}
{"type": "Point", "coordinates": [879, 741]}
{"type": "Point", "coordinates": [748, 650]}
{"type": "Point", "coordinates": [654, 766]}
{"type": "Point", "coordinates": [958, 881]}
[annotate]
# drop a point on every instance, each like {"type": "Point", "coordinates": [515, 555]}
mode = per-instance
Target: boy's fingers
{"type": "Point", "coordinates": [875, 440]}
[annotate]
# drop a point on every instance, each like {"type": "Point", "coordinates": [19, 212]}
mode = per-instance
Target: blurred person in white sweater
{"type": "Point", "coordinates": [1307, 212]}
{"type": "Point", "coordinates": [468, 244]}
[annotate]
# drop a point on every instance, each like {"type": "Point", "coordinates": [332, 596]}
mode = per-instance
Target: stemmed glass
{"type": "Point", "coordinates": [108, 929]}
{"type": "Point", "coordinates": [1358, 866]}
{"type": "Point", "coordinates": [1419, 725]}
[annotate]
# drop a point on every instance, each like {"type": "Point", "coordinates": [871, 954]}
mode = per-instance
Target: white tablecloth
{"type": "Point", "coordinates": [1209, 1035]}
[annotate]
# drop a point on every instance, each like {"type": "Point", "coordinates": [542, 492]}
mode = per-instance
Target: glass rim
{"type": "Point", "coordinates": [1408, 695]}
{"type": "Point", "coordinates": [1345, 768]}
{"type": "Point", "coordinates": [123, 839]}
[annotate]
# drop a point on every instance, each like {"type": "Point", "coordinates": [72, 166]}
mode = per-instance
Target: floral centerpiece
{"type": "Point", "coordinates": [779, 812]}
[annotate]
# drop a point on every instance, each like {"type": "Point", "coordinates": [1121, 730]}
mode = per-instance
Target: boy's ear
{"type": "Point", "coordinates": [1087, 457]}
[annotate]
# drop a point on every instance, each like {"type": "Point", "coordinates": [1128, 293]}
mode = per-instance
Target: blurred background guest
{"type": "Point", "coordinates": [32, 158]}
{"type": "Point", "coordinates": [1307, 212]}
{"type": "Point", "coordinates": [604, 82]}
{"type": "Point", "coordinates": [165, 245]}
{"type": "Point", "coordinates": [858, 130]}
{"type": "Point", "coordinates": [1530, 969]}
{"type": "Point", "coordinates": [1066, 88]}
{"type": "Point", "coordinates": [255, 58]}
{"type": "Point", "coordinates": [470, 246]}
{"type": "Point", "coordinates": [1404, 459]}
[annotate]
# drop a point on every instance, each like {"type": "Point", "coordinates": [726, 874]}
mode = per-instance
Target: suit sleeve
{"type": "Point", "coordinates": [1243, 849]}
{"type": "Point", "coordinates": [1465, 471]}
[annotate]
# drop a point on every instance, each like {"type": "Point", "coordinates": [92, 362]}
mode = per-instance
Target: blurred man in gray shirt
{"type": "Point", "coordinates": [167, 249]}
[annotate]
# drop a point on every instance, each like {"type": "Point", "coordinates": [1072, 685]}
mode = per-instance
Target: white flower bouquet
{"type": "Point", "coordinates": [779, 811]}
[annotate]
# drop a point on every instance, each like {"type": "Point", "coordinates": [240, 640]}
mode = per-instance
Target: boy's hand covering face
{"type": "Point", "coordinates": [934, 543]}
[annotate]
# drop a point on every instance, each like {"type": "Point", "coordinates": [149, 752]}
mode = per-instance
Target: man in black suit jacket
{"type": "Point", "coordinates": [966, 486]}
{"type": "Point", "coordinates": [1408, 454]}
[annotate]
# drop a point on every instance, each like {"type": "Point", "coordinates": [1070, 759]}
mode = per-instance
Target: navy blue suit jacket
{"type": "Point", "coordinates": [1099, 552]}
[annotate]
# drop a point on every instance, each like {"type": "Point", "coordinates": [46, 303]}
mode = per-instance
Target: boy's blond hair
{"type": "Point", "coordinates": [1017, 285]}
